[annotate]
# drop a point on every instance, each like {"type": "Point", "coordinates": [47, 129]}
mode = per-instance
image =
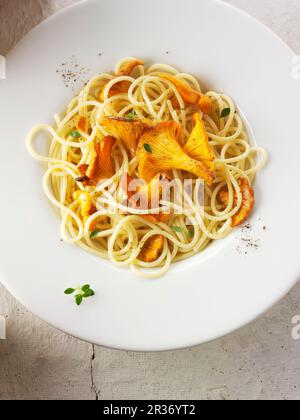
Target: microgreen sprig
{"type": "Point", "coordinates": [179, 229]}
{"type": "Point", "coordinates": [225, 112]}
{"type": "Point", "coordinates": [94, 234]}
{"type": "Point", "coordinates": [191, 232]}
{"type": "Point", "coordinates": [81, 293]}
{"type": "Point", "coordinates": [75, 134]}
{"type": "Point", "coordinates": [148, 148]}
{"type": "Point", "coordinates": [176, 229]}
{"type": "Point", "coordinates": [131, 115]}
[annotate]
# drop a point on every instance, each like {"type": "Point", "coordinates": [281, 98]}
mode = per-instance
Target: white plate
{"type": "Point", "coordinates": [202, 298]}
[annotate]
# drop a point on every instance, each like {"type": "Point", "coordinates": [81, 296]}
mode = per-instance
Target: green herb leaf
{"type": "Point", "coordinates": [79, 299]}
{"type": "Point", "coordinates": [131, 115]}
{"type": "Point", "coordinates": [69, 291]}
{"type": "Point", "coordinates": [191, 232]}
{"type": "Point", "coordinates": [177, 229]}
{"type": "Point", "coordinates": [81, 293]}
{"type": "Point", "coordinates": [148, 148]}
{"type": "Point", "coordinates": [89, 293]}
{"type": "Point", "coordinates": [94, 234]}
{"type": "Point", "coordinates": [75, 134]}
{"type": "Point", "coordinates": [225, 112]}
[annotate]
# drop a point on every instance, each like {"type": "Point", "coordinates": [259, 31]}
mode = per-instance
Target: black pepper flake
{"type": "Point", "coordinates": [247, 241]}
{"type": "Point", "coordinates": [72, 72]}
{"type": "Point", "coordinates": [247, 227]}
{"type": "Point", "coordinates": [82, 179]}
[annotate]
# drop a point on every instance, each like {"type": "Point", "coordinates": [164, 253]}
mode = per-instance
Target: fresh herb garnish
{"type": "Point", "coordinates": [75, 134]}
{"type": "Point", "coordinates": [191, 231]}
{"type": "Point", "coordinates": [177, 229]}
{"type": "Point", "coordinates": [83, 292]}
{"type": "Point", "coordinates": [69, 291]}
{"type": "Point", "coordinates": [225, 112]}
{"type": "Point", "coordinates": [131, 115]}
{"type": "Point", "coordinates": [78, 299]}
{"type": "Point", "coordinates": [148, 148]}
{"type": "Point", "coordinates": [94, 234]}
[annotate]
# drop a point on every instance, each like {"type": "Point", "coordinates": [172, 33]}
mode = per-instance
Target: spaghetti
{"type": "Point", "coordinates": [153, 124]}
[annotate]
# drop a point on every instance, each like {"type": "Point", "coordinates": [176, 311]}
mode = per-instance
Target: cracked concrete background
{"type": "Point", "coordinates": [261, 361]}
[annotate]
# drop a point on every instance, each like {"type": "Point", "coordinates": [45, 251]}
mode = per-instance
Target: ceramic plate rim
{"type": "Point", "coordinates": [126, 343]}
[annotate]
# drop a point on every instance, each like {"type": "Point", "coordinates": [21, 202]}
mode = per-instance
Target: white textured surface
{"type": "Point", "coordinates": [260, 361]}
